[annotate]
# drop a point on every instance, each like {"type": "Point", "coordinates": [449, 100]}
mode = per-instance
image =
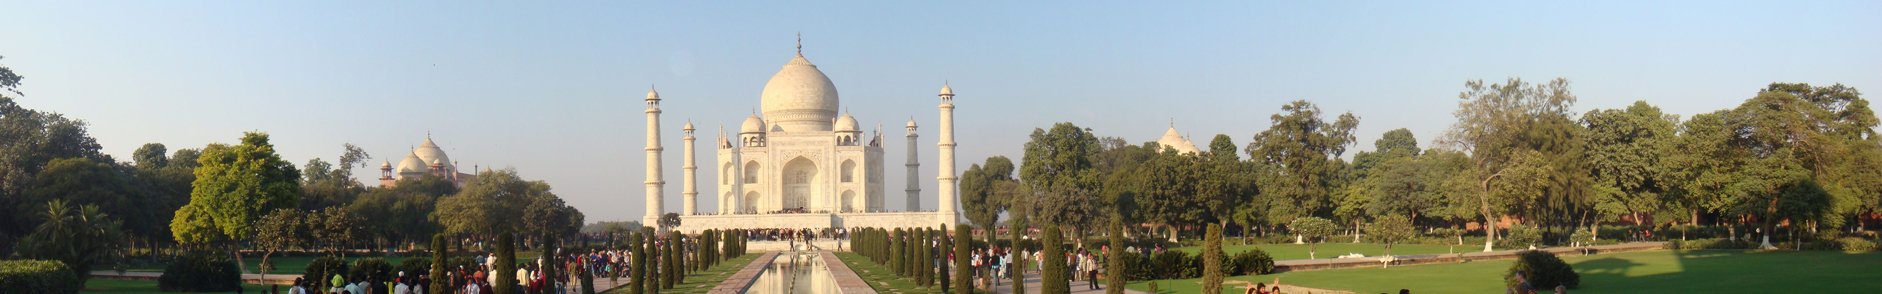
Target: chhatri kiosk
{"type": "Point", "coordinates": [800, 165]}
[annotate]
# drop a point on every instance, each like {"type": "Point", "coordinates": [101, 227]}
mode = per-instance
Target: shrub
{"type": "Point", "coordinates": [1856, 245]}
{"type": "Point", "coordinates": [1166, 265]}
{"type": "Point", "coordinates": [1543, 269]}
{"type": "Point", "coordinates": [321, 271]}
{"type": "Point", "coordinates": [38, 276]}
{"type": "Point", "coordinates": [200, 272]}
{"type": "Point", "coordinates": [1582, 237]}
{"type": "Point", "coordinates": [413, 266]}
{"type": "Point", "coordinates": [369, 269]}
{"type": "Point", "coordinates": [1252, 262]}
{"type": "Point", "coordinates": [1521, 236]}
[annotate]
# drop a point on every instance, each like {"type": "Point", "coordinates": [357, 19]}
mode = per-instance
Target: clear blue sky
{"type": "Point", "coordinates": [554, 90]}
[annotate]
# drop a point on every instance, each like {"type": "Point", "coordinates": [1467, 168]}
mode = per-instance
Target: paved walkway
{"type": "Point", "coordinates": [1032, 286]}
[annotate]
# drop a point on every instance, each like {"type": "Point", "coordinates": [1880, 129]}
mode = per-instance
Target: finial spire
{"type": "Point", "coordinates": [800, 43]}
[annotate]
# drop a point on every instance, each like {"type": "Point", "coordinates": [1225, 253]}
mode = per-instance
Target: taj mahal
{"type": "Point", "coordinates": [800, 165]}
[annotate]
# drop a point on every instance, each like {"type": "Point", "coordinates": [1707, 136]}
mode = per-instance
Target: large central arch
{"type": "Point", "coordinates": [800, 174]}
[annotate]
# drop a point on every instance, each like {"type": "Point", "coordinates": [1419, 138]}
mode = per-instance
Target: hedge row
{"type": "Point", "coordinates": [201, 272]}
{"type": "Point", "coordinates": [37, 276]}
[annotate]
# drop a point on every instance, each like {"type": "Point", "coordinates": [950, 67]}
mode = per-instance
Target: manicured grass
{"type": "Point", "coordinates": [703, 280]}
{"type": "Point", "coordinates": [1330, 250]}
{"type": "Point", "coordinates": [883, 279]}
{"type": "Point", "coordinates": [150, 286]}
{"type": "Point", "coordinates": [1663, 271]}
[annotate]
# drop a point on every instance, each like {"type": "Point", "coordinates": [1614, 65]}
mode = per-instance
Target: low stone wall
{"type": "Point", "coordinates": [1376, 261]}
{"type": "Point", "coordinates": [695, 223]}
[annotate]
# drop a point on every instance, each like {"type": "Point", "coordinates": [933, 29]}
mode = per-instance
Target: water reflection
{"type": "Point", "coordinates": [795, 273]}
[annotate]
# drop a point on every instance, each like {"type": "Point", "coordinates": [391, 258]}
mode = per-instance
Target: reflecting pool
{"type": "Point", "coordinates": [800, 272]}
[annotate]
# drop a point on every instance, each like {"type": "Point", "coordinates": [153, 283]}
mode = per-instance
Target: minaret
{"type": "Point", "coordinates": [655, 185]}
{"type": "Point", "coordinates": [690, 190]}
{"type": "Point", "coordinates": [945, 182]}
{"type": "Point", "coordinates": [914, 170]}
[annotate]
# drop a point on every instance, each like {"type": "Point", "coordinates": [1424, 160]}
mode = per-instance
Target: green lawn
{"type": "Point", "coordinates": [1663, 271]}
{"type": "Point", "coordinates": [881, 278]}
{"type": "Point", "coordinates": [1330, 250]}
{"type": "Point", "coordinates": [703, 281]}
{"type": "Point", "coordinates": [140, 287]}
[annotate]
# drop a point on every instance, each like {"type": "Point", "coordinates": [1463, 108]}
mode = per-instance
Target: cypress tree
{"type": "Point", "coordinates": [922, 262]}
{"type": "Point", "coordinates": [637, 264]}
{"type": "Point", "coordinates": [1052, 277]}
{"type": "Point", "coordinates": [1212, 260]}
{"type": "Point", "coordinates": [666, 263]}
{"type": "Point", "coordinates": [680, 255]}
{"type": "Point", "coordinates": [895, 251]}
{"type": "Point", "coordinates": [943, 250]}
{"type": "Point", "coordinates": [505, 268]}
{"type": "Point", "coordinates": [548, 268]}
{"type": "Point", "coordinates": [963, 265]}
{"type": "Point", "coordinates": [440, 260]}
{"type": "Point", "coordinates": [1015, 228]}
{"type": "Point", "coordinates": [1114, 261]}
{"type": "Point", "coordinates": [653, 260]}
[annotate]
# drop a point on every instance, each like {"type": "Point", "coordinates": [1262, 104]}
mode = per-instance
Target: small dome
{"type": "Point", "coordinates": [651, 94]}
{"type": "Point", "coordinates": [946, 91]}
{"type": "Point", "coordinates": [412, 165]}
{"type": "Point", "coordinates": [847, 123]}
{"type": "Point", "coordinates": [911, 122]}
{"type": "Point", "coordinates": [1176, 141]}
{"type": "Point", "coordinates": [436, 162]}
{"type": "Point", "coordinates": [689, 126]}
{"type": "Point", "coordinates": [753, 124]}
{"type": "Point", "coordinates": [385, 165]}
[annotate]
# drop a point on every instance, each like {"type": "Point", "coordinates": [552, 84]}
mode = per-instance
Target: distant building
{"type": "Point", "coordinates": [426, 160]}
{"type": "Point", "coordinates": [1173, 140]}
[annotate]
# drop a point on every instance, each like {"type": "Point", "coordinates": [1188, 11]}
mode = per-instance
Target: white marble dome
{"type": "Point", "coordinates": [848, 123]}
{"type": "Point", "coordinates": [799, 98]}
{"type": "Point", "coordinates": [753, 124]}
{"type": "Point", "coordinates": [431, 154]}
{"type": "Point", "coordinates": [412, 165]}
{"type": "Point", "coordinates": [1176, 141]}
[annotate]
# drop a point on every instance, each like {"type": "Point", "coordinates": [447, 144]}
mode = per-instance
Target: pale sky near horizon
{"type": "Point", "coordinates": [554, 89]}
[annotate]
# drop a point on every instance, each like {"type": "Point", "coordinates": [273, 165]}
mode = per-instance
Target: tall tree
{"type": "Point", "coordinates": [29, 139]}
{"type": "Point", "coordinates": [1627, 150]}
{"type": "Point", "coordinates": [1058, 167]}
{"type": "Point", "coordinates": [1303, 150]}
{"type": "Point", "coordinates": [236, 185]}
{"type": "Point", "coordinates": [1495, 122]}
{"type": "Point", "coordinates": [487, 204]}
{"type": "Point", "coordinates": [981, 196]}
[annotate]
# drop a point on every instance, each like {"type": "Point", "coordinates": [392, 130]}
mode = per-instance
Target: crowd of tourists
{"type": "Point", "coordinates": [531, 277]}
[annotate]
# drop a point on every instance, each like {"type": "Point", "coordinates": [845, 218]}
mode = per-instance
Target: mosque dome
{"type": "Point", "coordinates": [429, 153]}
{"type": "Point", "coordinates": [1176, 141]}
{"type": "Point", "coordinates": [847, 123]}
{"type": "Point", "coordinates": [753, 124]}
{"type": "Point", "coordinates": [911, 122]}
{"type": "Point", "coordinates": [412, 165]}
{"type": "Point", "coordinates": [799, 98]}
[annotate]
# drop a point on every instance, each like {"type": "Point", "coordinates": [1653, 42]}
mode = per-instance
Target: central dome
{"type": "Point", "coordinates": [799, 98]}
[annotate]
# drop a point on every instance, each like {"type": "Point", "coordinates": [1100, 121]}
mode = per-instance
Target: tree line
{"type": "Point", "coordinates": [1792, 156]}
{"type": "Point", "coordinates": [60, 192]}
